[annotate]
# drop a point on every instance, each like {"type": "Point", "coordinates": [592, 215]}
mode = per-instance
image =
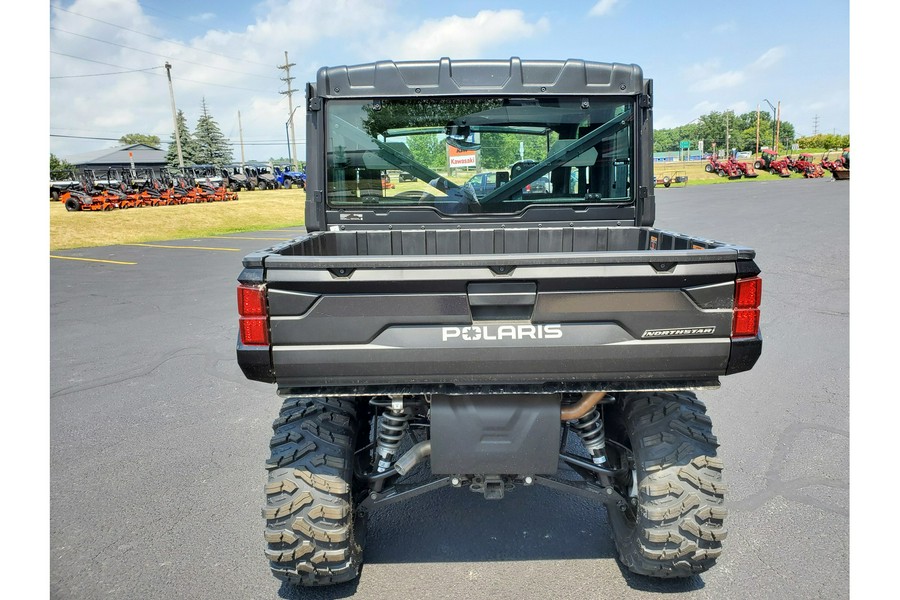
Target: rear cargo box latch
{"type": "Point", "coordinates": [502, 301]}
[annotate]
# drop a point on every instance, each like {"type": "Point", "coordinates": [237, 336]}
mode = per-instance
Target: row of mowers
{"type": "Point", "coordinates": [192, 186]}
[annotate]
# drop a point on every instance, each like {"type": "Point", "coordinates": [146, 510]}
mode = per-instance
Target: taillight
{"type": "Point", "coordinates": [254, 329]}
{"type": "Point", "coordinates": [747, 298]}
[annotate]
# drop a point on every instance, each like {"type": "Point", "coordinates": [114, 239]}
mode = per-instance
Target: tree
{"type": "Point", "coordinates": [211, 145]}
{"type": "Point", "coordinates": [428, 150]}
{"type": "Point", "coordinates": [500, 150]}
{"type": "Point", "coordinates": [140, 138]}
{"type": "Point", "coordinates": [715, 127]}
{"type": "Point", "coordinates": [187, 143]}
{"type": "Point", "coordinates": [824, 140]}
{"type": "Point", "coordinates": [59, 167]}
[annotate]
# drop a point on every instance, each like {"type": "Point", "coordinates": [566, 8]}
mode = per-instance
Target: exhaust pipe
{"type": "Point", "coordinates": [588, 401]}
{"type": "Point", "coordinates": [412, 457]}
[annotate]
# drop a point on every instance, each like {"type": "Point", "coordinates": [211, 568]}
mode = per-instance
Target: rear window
{"type": "Point", "coordinates": [478, 155]}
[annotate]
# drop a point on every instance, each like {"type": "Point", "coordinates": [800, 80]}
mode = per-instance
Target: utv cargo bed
{"type": "Point", "coordinates": [500, 310]}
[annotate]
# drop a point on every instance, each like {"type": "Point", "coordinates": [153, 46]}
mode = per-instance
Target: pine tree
{"type": "Point", "coordinates": [211, 146]}
{"type": "Point", "coordinates": [187, 143]}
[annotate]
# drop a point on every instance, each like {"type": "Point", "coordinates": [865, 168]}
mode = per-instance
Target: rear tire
{"type": "Point", "coordinates": [678, 528]}
{"type": "Point", "coordinates": [311, 532]}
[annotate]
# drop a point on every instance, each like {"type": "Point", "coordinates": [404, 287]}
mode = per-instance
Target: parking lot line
{"type": "Point", "coordinates": [99, 260]}
{"type": "Point", "coordinates": [184, 247]}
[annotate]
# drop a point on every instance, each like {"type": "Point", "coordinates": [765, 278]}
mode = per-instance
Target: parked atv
{"type": "Point", "coordinates": [236, 179]}
{"type": "Point", "coordinates": [288, 177]}
{"type": "Point", "coordinates": [261, 177]}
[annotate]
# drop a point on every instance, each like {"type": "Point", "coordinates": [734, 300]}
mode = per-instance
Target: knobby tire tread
{"type": "Point", "coordinates": [679, 525]}
{"type": "Point", "coordinates": [310, 530]}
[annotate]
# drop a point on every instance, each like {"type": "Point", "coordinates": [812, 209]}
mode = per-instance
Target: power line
{"type": "Point", "coordinates": [102, 74]}
{"type": "Point", "coordinates": [231, 87]}
{"type": "Point", "coordinates": [97, 61]}
{"type": "Point", "coordinates": [160, 39]}
{"type": "Point", "coordinates": [87, 37]}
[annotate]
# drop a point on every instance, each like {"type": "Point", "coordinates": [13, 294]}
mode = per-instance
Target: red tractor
{"type": "Point", "coordinates": [769, 161]}
{"type": "Point", "coordinates": [745, 168]}
{"type": "Point", "coordinates": [804, 165]}
{"type": "Point", "coordinates": [839, 167]}
{"type": "Point", "coordinates": [724, 168]}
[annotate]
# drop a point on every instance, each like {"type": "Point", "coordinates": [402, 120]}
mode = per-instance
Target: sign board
{"type": "Point", "coordinates": [685, 144]}
{"type": "Point", "coordinates": [457, 158]}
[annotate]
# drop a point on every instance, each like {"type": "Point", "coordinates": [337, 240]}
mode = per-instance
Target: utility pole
{"type": "Point", "coordinates": [757, 129]}
{"type": "Point", "coordinates": [727, 137]}
{"type": "Point", "coordinates": [174, 115]}
{"type": "Point", "coordinates": [778, 127]}
{"type": "Point", "coordinates": [816, 125]}
{"type": "Point", "coordinates": [241, 132]}
{"type": "Point", "coordinates": [288, 79]}
{"type": "Point", "coordinates": [774, 147]}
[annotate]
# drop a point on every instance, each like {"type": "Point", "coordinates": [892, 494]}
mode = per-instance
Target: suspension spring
{"type": "Point", "coordinates": [391, 429]}
{"type": "Point", "coordinates": [590, 429]}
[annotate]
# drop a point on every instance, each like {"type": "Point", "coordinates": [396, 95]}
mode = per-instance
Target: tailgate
{"type": "Point", "coordinates": [551, 322]}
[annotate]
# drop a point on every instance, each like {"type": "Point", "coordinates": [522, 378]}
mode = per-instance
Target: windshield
{"type": "Point", "coordinates": [478, 155]}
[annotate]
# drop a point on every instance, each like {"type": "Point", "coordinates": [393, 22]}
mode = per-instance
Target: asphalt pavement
{"type": "Point", "coordinates": [157, 441]}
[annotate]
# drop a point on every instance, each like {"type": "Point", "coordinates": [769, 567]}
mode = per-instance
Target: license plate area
{"type": "Point", "coordinates": [495, 434]}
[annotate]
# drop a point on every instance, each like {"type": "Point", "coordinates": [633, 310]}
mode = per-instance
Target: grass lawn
{"type": "Point", "coordinates": [254, 211]}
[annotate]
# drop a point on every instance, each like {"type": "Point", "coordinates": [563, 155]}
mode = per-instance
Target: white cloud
{"type": "Point", "coordinates": [472, 36]}
{"type": "Point", "coordinates": [770, 58]}
{"type": "Point", "coordinates": [602, 8]}
{"type": "Point", "coordinates": [740, 107]}
{"type": "Point", "coordinates": [704, 107]}
{"type": "Point", "coordinates": [719, 81]}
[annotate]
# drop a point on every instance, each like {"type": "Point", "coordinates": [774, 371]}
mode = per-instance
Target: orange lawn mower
{"type": "Point", "coordinates": [210, 183]}
{"type": "Point", "coordinates": [90, 197]}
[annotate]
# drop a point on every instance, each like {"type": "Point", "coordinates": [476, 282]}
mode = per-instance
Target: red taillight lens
{"type": "Point", "coordinates": [254, 329]}
{"type": "Point", "coordinates": [746, 322]}
{"type": "Point", "coordinates": [251, 301]}
{"type": "Point", "coordinates": [747, 298]}
{"type": "Point", "coordinates": [748, 292]}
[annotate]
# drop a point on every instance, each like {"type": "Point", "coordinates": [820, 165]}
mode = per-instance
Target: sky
{"type": "Point", "coordinates": [107, 57]}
